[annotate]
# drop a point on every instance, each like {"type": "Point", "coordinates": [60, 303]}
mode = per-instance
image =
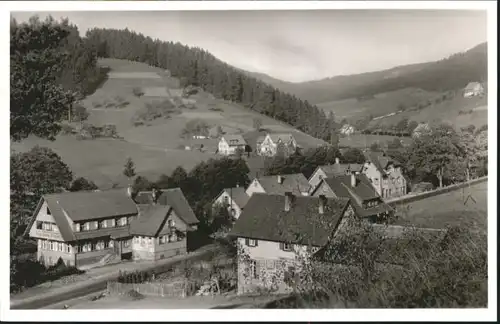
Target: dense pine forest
{"type": "Point", "coordinates": [195, 66]}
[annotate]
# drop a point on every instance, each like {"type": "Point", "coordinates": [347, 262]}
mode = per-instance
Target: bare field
{"type": "Point", "coordinates": [450, 209]}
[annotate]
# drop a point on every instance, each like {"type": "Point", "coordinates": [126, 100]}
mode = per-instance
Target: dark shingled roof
{"type": "Point", "coordinates": [150, 222]}
{"type": "Point", "coordinates": [171, 197]}
{"type": "Point", "coordinates": [363, 191]}
{"type": "Point", "coordinates": [86, 205]}
{"type": "Point", "coordinates": [239, 195]}
{"type": "Point", "coordinates": [234, 140]}
{"type": "Point", "coordinates": [264, 218]}
{"type": "Point", "coordinates": [295, 183]}
{"type": "Point", "coordinates": [380, 160]}
{"type": "Point", "coordinates": [334, 170]}
{"type": "Point", "coordinates": [93, 205]}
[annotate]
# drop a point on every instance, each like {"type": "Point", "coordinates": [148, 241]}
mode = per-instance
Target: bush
{"type": "Point", "coordinates": [138, 92]}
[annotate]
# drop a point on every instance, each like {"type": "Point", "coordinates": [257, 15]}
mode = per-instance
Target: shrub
{"type": "Point", "coordinates": [138, 92]}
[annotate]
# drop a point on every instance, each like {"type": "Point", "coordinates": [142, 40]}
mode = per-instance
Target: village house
{"type": "Point", "coordinates": [473, 89]}
{"type": "Point", "coordinates": [92, 228]}
{"type": "Point", "coordinates": [229, 144]}
{"type": "Point", "coordinates": [234, 199]}
{"type": "Point", "coordinates": [365, 200]}
{"type": "Point", "coordinates": [276, 232]}
{"type": "Point", "coordinates": [385, 175]}
{"type": "Point", "coordinates": [279, 184]}
{"type": "Point", "coordinates": [347, 130]}
{"type": "Point", "coordinates": [333, 170]}
{"type": "Point", "coordinates": [269, 146]}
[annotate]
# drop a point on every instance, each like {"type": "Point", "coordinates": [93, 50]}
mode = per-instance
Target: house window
{"type": "Point", "coordinates": [86, 226]}
{"type": "Point", "coordinates": [162, 239]}
{"type": "Point", "coordinates": [113, 223]}
{"type": "Point", "coordinates": [124, 221]}
{"type": "Point", "coordinates": [226, 200]}
{"type": "Point", "coordinates": [93, 246]}
{"type": "Point", "coordinates": [111, 243]}
{"type": "Point", "coordinates": [39, 225]}
{"type": "Point", "coordinates": [48, 211]}
{"type": "Point", "coordinates": [103, 224]}
{"type": "Point", "coordinates": [286, 247]}
{"type": "Point", "coordinates": [254, 274]}
{"type": "Point", "coordinates": [68, 248]}
{"type": "Point", "coordinates": [53, 246]}
{"type": "Point", "coordinates": [171, 223]}
{"type": "Point", "coordinates": [77, 227]}
{"type": "Point", "coordinates": [95, 225]}
{"type": "Point", "coordinates": [173, 238]}
{"type": "Point", "coordinates": [44, 245]}
{"type": "Point", "coordinates": [61, 247]}
{"type": "Point", "coordinates": [126, 243]}
{"type": "Point", "coordinates": [47, 226]}
{"type": "Point", "coordinates": [250, 242]}
{"type": "Point", "coordinates": [233, 212]}
{"type": "Point", "coordinates": [106, 244]}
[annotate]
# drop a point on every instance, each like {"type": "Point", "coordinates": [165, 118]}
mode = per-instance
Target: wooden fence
{"type": "Point", "coordinates": [415, 197]}
{"type": "Point", "coordinates": [176, 289]}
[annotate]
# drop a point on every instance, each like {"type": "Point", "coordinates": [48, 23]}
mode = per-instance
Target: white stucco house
{"type": "Point", "coordinates": [473, 89]}
{"type": "Point", "coordinates": [234, 199]}
{"type": "Point", "coordinates": [229, 144]}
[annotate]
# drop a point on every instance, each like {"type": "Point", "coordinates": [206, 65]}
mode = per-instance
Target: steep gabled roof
{"type": "Point", "coordinates": [171, 197]}
{"type": "Point", "coordinates": [380, 160]}
{"type": "Point", "coordinates": [151, 220]}
{"type": "Point", "coordinates": [295, 183]}
{"type": "Point", "coordinates": [334, 170]}
{"type": "Point", "coordinates": [238, 194]}
{"type": "Point", "coordinates": [264, 218]}
{"type": "Point", "coordinates": [234, 140]}
{"type": "Point", "coordinates": [285, 137]}
{"type": "Point", "coordinates": [85, 205]}
{"type": "Point", "coordinates": [363, 191]}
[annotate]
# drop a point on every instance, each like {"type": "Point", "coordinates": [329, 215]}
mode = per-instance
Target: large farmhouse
{"type": "Point", "coordinates": [92, 228]}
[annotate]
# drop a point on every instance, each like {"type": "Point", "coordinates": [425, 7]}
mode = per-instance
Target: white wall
{"type": "Point", "coordinates": [232, 204]}
{"type": "Point", "coordinates": [254, 187]}
{"type": "Point", "coordinates": [43, 216]}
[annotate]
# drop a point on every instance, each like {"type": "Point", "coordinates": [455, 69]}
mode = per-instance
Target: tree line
{"type": "Point", "coordinates": [197, 67]}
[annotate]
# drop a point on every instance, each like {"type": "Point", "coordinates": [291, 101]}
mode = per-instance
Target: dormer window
{"type": "Point", "coordinates": [86, 226]}
{"type": "Point", "coordinates": [77, 227]}
{"type": "Point", "coordinates": [251, 242]}
{"type": "Point", "coordinates": [286, 247]}
{"type": "Point", "coordinates": [171, 223]}
{"type": "Point", "coordinates": [48, 211]}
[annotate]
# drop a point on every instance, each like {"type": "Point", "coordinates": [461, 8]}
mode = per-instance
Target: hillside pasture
{"type": "Point", "coordinates": [445, 111]}
{"type": "Point", "coordinates": [362, 141]}
{"type": "Point", "coordinates": [380, 105]}
{"type": "Point", "coordinates": [449, 209]}
{"type": "Point", "coordinates": [157, 147]}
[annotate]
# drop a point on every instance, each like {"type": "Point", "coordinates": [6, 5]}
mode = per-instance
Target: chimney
{"type": "Point", "coordinates": [154, 195]}
{"type": "Point", "coordinates": [129, 191]}
{"type": "Point", "coordinates": [280, 179]}
{"type": "Point", "coordinates": [322, 203]}
{"type": "Point", "coordinates": [288, 200]}
{"type": "Point", "coordinates": [337, 161]}
{"type": "Point", "coordinates": [353, 180]}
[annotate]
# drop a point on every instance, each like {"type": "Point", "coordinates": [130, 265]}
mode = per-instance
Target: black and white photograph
{"type": "Point", "coordinates": [171, 157]}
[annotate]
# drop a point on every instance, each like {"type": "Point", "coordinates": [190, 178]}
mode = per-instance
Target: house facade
{"type": "Point", "coordinates": [230, 144]}
{"type": "Point", "coordinates": [473, 89]}
{"type": "Point", "coordinates": [234, 199]}
{"type": "Point", "coordinates": [92, 228]}
{"type": "Point", "coordinates": [347, 130]}
{"type": "Point", "coordinates": [385, 174]}
{"type": "Point", "coordinates": [277, 233]}
{"type": "Point", "coordinates": [280, 184]}
{"type": "Point", "coordinates": [366, 202]}
{"type": "Point", "coordinates": [333, 170]}
{"type": "Point", "coordinates": [272, 143]}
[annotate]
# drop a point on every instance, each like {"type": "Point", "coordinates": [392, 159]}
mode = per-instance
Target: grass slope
{"type": "Point", "coordinates": [155, 149]}
{"type": "Point", "coordinates": [449, 209]}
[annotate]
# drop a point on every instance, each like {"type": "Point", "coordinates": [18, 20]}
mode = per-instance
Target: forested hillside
{"type": "Point", "coordinates": [197, 67]}
{"type": "Point", "coordinates": [451, 73]}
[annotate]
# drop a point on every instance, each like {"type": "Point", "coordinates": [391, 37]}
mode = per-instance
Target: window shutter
{"type": "Point", "coordinates": [282, 246]}
{"type": "Point", "coordinates": [256, 242]}
{"type": "Point", "coordinates": [247, 242]}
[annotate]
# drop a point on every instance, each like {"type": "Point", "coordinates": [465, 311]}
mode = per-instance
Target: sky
{"type": "Point", "coordinates": [299, 46]}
